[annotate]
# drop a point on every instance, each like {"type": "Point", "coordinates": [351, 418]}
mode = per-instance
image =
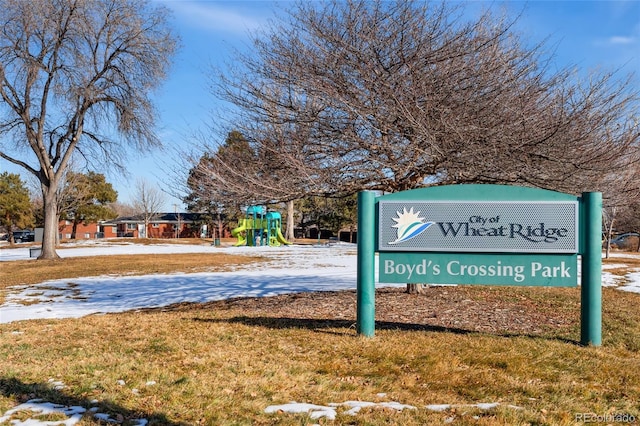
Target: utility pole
{"type": "Point", "coordinates": [175, 211]}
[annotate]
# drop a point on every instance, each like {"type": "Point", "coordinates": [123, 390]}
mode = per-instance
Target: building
{"type": "Point", "coordinates": [162, 225]}
{"type": "Point", "coordinates": [85, 231]}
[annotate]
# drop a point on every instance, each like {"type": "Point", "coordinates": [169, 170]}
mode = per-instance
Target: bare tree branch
{"type": "Point", "coordinates": [76, 77]}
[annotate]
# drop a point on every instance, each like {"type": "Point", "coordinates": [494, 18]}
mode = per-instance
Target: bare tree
{"type": "Point", "coordinates": [148, 202]}
{"type": "Point", "coordinates": [122, 209]}
{"type": "Point", "coordinates": [75, 79]}
{"type": "Point", "coordinates": [629, 219]}
{"type": "Point", "coordinates": [397, 95]}
{"type": "Point", "coordinates": [394, 95]}
{"type": "Point", "coordinates": [621, 200]}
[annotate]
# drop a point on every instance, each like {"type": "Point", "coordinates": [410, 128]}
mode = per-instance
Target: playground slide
{"type": "Point", "coordinates": [236, 232]}
{"type": "Point", "coordinates": [281, 239]}
{"type": "Point", "coordinates": [251, 228]}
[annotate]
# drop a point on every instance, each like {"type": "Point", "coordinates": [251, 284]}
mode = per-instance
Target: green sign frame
{"type": "Point", "coordinates": [499, 267]}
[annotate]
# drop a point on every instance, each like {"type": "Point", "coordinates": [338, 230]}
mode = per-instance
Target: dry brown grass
{"type": "Point", "coordinates": [223, 363]}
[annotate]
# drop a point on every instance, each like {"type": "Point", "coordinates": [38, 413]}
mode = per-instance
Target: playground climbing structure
{"type": "Point", "coordinates": [259, 228]}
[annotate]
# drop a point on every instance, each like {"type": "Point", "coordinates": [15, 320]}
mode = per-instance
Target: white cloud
{"type": "Point", "coordinates": [215, 16]}
{"type": "Point", "coordinates": [621, 40]}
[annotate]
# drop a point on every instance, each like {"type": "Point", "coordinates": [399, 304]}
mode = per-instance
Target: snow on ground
{"type": "Point", "coordinates": [288, 269]}
{"type": "Point", "coordinates": [72, 413]}
{"type": "Point", "coordinates": [330, 411]}
{"type": "Point", "coordinates": [633, 283]}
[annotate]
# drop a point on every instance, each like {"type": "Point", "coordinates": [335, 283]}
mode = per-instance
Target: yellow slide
{"type": "Point", "coordinates": [237, 232]}
{"type": "Point", "coordinates": [281, 239]}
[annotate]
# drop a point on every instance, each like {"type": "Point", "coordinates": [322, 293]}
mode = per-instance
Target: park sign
{"type": "Point", "coordinates": [481, 234]}
{"type": "Point", "coordinates": [462, 242]}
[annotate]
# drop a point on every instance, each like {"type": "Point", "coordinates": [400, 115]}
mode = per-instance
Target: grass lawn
{"type": "Point", "coordinates": [220, 364]}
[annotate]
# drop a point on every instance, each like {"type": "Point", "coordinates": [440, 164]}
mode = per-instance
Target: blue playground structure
{"type": "Point", "coordinates": [259, 228]}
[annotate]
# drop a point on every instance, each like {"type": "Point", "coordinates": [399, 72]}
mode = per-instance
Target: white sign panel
{"type": "Point", "coordinates": [447, 226]}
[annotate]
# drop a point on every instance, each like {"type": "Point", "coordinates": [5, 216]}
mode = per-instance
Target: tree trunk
{"type": "Point", "coordinates": [415, 288]}
{"type": "Point", "coordinates": [49, 237]}
{"type": "Point", "coordinates": [290, 225]}
{"type": "Point", "coordinates": [74, 229]}
{"type": "Point", "coordinates": [609, 231]}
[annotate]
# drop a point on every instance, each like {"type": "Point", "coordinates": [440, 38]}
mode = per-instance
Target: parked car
{"type": "Point", "coordinates": [627, 241]}
{"type": "Point", "coordinates": [23, 236]}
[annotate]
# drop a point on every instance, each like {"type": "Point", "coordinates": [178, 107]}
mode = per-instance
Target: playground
{"type": "Point", "coordinates": [259, 228]}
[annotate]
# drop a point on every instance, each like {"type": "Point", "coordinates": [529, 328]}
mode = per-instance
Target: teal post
{"type": "Point", "coordinates": [591, 290]}
{"type": "Point", "coordinates": [366, 289]}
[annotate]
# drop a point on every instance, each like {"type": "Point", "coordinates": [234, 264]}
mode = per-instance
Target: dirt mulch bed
{"type": "Point", "coordinates": [463, 309]}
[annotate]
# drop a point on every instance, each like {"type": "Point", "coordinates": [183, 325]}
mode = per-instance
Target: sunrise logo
{"type": "Point", "coordinates": [409, 225]}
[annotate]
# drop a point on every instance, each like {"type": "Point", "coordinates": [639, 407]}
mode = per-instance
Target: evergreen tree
{"type": "Point", "coordinates": [86, 198]}
{"type": "Point", "coordinates": [15, 205]}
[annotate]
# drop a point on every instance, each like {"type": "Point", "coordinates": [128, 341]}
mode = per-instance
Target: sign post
{"type": "Point", "coordinates": [366, 290]}
{"type": "Point", "coordinates": [591, 291]}
{"type": "Point", "coordinates": [481, 234]}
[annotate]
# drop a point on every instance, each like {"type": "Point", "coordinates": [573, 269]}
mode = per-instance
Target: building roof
{"type": "Point", "coordinates": [160, 218]}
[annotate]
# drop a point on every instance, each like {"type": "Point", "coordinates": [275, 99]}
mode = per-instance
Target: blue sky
{"type": "Point", "coordinates": [584, 34]}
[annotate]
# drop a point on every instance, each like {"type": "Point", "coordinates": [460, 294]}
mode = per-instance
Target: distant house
{"type": "Point", "coordinates": [162, 225]}
{"type": "Point", "coordinates": [85, 231]}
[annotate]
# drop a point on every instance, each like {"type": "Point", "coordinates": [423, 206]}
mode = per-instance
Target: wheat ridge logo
{"type": "Point", "coordinates": [409, 225]}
